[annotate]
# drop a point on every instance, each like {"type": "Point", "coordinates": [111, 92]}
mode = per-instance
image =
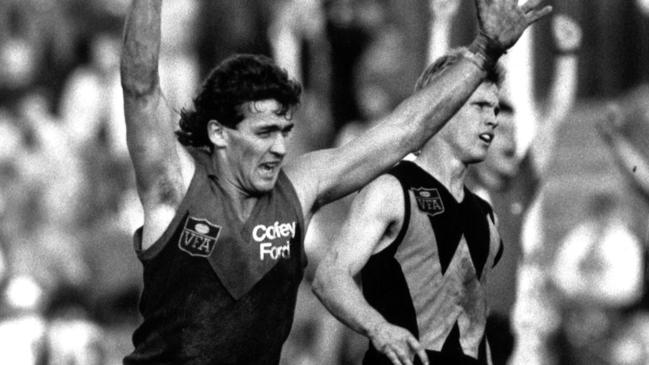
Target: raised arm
{"type": "Point", "coordinates": [633, 164]}
{"type": "Point", "coordinates": [567, 38]}
{"type": "Point", "coordinates": [162, 167]}
{"type": "Point", "coordinates": [373, 222]}
{"type": "Point", "coordinates": [323, 176]}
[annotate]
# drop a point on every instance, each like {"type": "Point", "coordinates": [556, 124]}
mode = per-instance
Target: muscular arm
{"type": "Point", "coordinates": [327, 175]}
{"type": "Point", "coordinates": [162, 167]}
{"type": "Point", "coordinates": [373, 222]}
{"type": "Point", "coordinates": [324, 176]}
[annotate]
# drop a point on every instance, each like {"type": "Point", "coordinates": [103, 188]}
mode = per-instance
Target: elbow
{"type": "Point", "coordinates": [322, 282]}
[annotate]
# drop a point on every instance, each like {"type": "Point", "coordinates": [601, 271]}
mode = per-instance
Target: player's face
{"type": "Point", "coordinates": [258, 146]}
{"type": "Point", "coordinates": [501, 162]}
{"type": "Point", "coordinates": [472, 129]}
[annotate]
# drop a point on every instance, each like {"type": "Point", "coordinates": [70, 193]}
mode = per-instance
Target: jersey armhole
{"type": "Point", "coordinates": [178, 219]}
{"type": "Point", "coordinates": [394, 245]}
{"type": "Point", "coordinates": [499, 254]}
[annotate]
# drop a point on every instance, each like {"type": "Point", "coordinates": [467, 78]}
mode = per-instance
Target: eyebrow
{"type": "Point", "coordinates": [274, 127]}
{"type": "Point", "coordinates": [486, 102]}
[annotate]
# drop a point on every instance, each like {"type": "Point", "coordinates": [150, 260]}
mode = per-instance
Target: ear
{"type": "Point", "coordinates": [216, 134]}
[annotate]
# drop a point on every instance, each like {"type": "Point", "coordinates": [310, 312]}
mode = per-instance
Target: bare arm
{"type": "Point", "coordinates": [324, 176]}
{"type": "Point", "coordinates": [567, 38]}
{"type": "Point", "coordinates": [162, 167]}
{"type": "Point", "coordinates": [373, 222]}
{"type": "Point", "coordinates": [630, 160]}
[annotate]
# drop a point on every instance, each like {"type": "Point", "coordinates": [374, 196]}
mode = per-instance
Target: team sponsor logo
{"type": "Point", "coordinates": [274, 240]}
{"type": "Point", "coordinates": [429, 201]}
{"type": "Point", "coordinates": [199, 237]}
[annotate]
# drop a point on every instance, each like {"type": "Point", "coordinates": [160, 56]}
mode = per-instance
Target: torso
{"type": "Point", "coordinates": [431, 280]}
{"type": "Point", "coordinates": [218, 290]}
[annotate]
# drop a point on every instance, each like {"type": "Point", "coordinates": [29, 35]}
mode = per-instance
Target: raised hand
{"type": "Point", "coordinates": [443, 9]}
{"type": "Point", "coordinates": [397, 343]}
{"type": "Point", "coordinates": [567, 33]}
{"type": "Point", "coordinates": [503, 21]}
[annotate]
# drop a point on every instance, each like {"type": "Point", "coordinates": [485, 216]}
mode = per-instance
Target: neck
{"type": "Point", "coordinates": [447, 168]}
{"type": "Point", "coordinates": [242, 201]}
{"type": "Point", "coordinates": [488, 179]}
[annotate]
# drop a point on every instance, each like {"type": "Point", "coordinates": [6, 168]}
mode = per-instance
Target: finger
{"type": "Point", "coordinates": [404, 356]}
{"type": "Point", "coordinates": [530, 5]}
{"type": "Point", "coordinates": [419, 349]}
{"type": "Point", "coordinates": [392, 356]}
{"type": "Point", "coordinates": [532, 17]}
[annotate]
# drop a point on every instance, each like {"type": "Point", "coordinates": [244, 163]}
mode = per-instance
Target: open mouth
{"type": "Point", "coordinates": [269, 166]}
{"type": "Point", "coordinates": [486, 137]}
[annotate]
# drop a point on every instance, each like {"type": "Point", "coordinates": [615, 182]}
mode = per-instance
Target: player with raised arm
{"type": "Point", "coordinates": [224, 217]}
{"type": "Point", "coordinates": [423, 244]}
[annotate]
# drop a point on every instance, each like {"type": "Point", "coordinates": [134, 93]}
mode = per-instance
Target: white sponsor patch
{"type": "Point", "coordinates": [274, 240]}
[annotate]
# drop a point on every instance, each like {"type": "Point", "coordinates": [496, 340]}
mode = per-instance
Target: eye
{"type": "Point", "coordinates": [287, 131]}
{"type": "Point", "coordinates": [263, 134]}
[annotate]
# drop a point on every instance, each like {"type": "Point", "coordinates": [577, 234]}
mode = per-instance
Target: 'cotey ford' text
{"type": "Point", "coordinates": [274, 240]}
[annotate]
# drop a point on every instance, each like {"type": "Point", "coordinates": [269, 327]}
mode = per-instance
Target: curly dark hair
{"type": "Point", "coordinates": [238, 79]}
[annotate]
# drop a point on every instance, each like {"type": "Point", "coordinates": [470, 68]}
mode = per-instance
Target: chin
{"type": "Point", "coordinates": [262, 187]}
{"type": "Point", "coordinates": [475, 159]}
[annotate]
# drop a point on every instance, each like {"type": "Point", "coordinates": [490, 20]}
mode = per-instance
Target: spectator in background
{"type": "Point", "coordinates": [631, 159]}
{"type": "Point", "coordinates": [598, 271]}
{"type": "Point", "coordinates": [91, 105]}
{"type": "Point", "coordinates": [599, 261]}
{"type": "Point", "coordinates": [23, 328]}
{"type": "Point", "coordinates": [43, 240]}
{"type": "Point", "coordinates": [631, 342]}
{"type": "Point", "coordinates": [36, 46]}
{"type": "Point", "coordinates": [19, 50]}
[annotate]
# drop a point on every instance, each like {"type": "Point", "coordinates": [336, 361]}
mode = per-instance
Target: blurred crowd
{"type": "Point", "coordinates": [573, 291]}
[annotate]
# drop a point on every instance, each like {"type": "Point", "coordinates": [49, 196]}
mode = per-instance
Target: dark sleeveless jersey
{"type": "Point", "coordinates": [218, 290]}
{"type": "Point", "coordinates": [431, 280]}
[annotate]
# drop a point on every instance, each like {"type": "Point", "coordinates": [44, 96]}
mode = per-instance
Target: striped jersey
{"type": "Point", "coordinates": [431, 280]}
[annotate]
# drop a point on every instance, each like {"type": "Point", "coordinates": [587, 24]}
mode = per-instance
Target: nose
{"type": "Point", "coordinates": [490, 119]}
{"type": "Point", "coordinates": [279, 145]}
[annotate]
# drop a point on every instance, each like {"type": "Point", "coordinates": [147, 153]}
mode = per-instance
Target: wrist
{"type": "Point", "coordinates": [373, 328]}
{"type": "Point", "coordinates": [487, 51]}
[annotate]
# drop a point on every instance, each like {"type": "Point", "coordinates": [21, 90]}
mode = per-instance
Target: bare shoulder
{"type": "Point", "coordinates": [303, 172]}
{"type": "Point", "coordinates": [383, 196]}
